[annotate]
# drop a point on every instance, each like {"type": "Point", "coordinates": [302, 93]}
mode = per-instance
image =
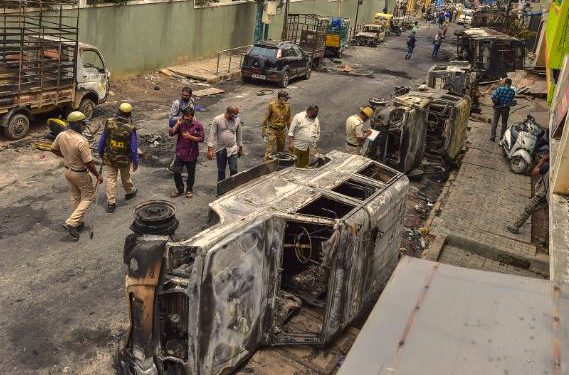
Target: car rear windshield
{"type": "Point", "coordinates": [263, 51]}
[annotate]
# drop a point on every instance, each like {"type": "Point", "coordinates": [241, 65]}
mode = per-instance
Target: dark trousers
{"type": "Point", "coordinates": [436, 49]}
{"type": "Point", "coordinates": [223, 161]}
{"type": "Point", "coordinates": [177, 169]}
{"type": "Point", "coordinates": [409, 53]}
{"type": "Point", "coordinates": [503, 112]}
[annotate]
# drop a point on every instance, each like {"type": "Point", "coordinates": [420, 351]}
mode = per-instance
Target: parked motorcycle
{"type": "Point", "coordinates": [523, 143]}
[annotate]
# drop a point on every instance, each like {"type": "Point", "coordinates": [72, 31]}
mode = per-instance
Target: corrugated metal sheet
{"type": "Point", "coordinates": [439, 319]}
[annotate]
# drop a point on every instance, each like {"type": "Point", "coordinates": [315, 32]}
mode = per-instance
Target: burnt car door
{"type": "Point", "coordinates": [293, 60]}
{"type": "Point", "coordinates": [304, 60]}
{"type": "Point", "coordinates": [235, 296]}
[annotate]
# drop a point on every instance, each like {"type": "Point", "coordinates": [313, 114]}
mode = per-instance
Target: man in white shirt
{"type": "Point", "coordinates": [226, 138]}
{"type": "Point", "coordinates": [303, 134]}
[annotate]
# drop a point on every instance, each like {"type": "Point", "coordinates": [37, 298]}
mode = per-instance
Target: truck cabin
{"type": "Point", "coordinates": [293, 257]}
{"type": "Point", "coordinates": [456, 77]}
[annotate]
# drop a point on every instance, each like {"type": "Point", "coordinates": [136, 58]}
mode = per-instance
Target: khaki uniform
{"type": "Point", "coordinates": [76, 153]}
{"type": "Point", "coordinates": [354, 129]}
{"type": "Point", "coordinates": [277, 119]}
{"type": "Point", "coordinates": [117, 156]}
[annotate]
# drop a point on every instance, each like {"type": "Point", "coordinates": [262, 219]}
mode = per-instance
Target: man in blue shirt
{"type": "Point", "coordinates": [502, 99]}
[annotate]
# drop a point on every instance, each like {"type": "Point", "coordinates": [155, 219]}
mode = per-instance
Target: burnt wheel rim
{"type": "Point", "coordinates": [20, 127]}
{"type": "Point", "coordinates": [285, 79]}
{"type": "Point", "coordinates": [88, 109]}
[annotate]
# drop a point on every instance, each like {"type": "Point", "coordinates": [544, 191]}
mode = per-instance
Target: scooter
{"type": "Point", "coordinates": [523, 141]}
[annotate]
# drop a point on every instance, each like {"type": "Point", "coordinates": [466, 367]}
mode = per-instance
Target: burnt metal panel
{"type": "Point", "coordinates": [439, 319]}
{"type": "Point", "coordinates": [241, 178]}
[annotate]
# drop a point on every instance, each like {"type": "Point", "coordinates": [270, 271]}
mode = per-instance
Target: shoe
{"type": "Point", "coordinates": [512, 229]}
{"type": "Point", "coordinates": [73, 232]}
{"type": "Point", "coordinates": [176, 194]}
{"type": "Point", "coordinates": [111, 208]}
{"type": "Point", "coordinates": [131, 195]}
{"type": "Point", "coordinates": [80, 227]}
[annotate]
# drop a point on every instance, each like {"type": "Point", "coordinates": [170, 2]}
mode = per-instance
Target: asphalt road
{"type": "Point", "coordinates": [63, 308]}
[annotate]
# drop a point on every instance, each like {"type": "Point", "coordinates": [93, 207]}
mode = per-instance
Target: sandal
{"type": "Point", "coordinates": [176, 194]}
{"type": "Point", "coordinates": [189, 194]}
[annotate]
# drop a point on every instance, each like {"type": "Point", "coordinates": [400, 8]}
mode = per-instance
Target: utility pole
{"type": "Point", "coordinates": [285, 22]}
{"type": "Point", "coordinates": [357, 13]}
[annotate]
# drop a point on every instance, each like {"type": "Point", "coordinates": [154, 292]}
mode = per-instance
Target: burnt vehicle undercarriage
{"type": "Point", "coordinates": [321, 241]}
{"type": "Point", "coordinates": [426, 122]}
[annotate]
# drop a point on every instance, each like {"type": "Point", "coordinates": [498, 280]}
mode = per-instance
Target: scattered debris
{"type": "Point", "coordinates": [212, 91]}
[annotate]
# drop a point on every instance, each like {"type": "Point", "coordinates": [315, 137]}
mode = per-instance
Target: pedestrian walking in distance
{"type": "Point", "coordinates": [304, 134]}
{"type": "Point", "coordinates": [356, 133]}
{"type": "Point", "coordinates": [274, 126]}
{"type": "Point", "coordinates": [437, 41]}
{"type": "Point", "coordinates": [225, 137]}
{"type": "Point", "coordinates": [502, 99]}
{"type": "Point", "coordinates": [190, 134]}
{"type": "Point", "coordinates": [410, 45]}
{"type": "Point", "coordinates": [539, 198]}
{"type": "Point", "coordinates": [118, 146]}
{"type": "Point", "coordinates": [78, 162]}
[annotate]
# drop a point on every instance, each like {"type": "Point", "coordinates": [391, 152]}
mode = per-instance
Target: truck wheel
{"type": "Point", "coordinates": [18, 126]}
{"type": "Point", "coordinates": [285, 80]}
{"type": "Point", "coordinates": [87, 107]}
{"type": "Point", "coordinates": [518, 165]}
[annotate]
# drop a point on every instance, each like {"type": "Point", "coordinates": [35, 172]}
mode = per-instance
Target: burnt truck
{"type": "Point", "coordinates": [324, 239]}
{"type": "Point", "coordinates": [491, 53]}
{"type": "Point", "coordinates": [425, 122]}
{"type": "Point", "coordinates": [43, 67]}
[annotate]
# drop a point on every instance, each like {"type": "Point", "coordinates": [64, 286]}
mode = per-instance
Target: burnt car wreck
{"type": "Point", "coordinates": [325, 239]}
{"type": "Point", "coordinates": [425, 122]}
{"type": "Point", "coordinates": [491, 53]}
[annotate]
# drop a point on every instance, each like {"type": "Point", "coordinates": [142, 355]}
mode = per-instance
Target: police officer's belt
{"type": "Point", "coordinates": [351, 144]}
{"type": "Point", "coordinates": [278, 128]}
{"type": "Point", "coordinates": [75, 170]}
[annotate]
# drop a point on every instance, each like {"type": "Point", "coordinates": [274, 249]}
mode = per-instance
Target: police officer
{"type": "Point", "coordinates": [356, 132]}
{"type": "Point", "coordinates": [118, 147]}
{"type": "Point", "coordinates": [78, 161]}
{"type": "Point", "coordinates": [274, 126]}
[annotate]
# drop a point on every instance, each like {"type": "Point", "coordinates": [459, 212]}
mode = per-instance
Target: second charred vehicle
{"type": "Point", "coordinates": [319, 241]}
{"type": "Point", "coordinates": [275, 62]}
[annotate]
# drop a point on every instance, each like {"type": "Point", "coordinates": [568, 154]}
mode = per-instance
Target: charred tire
{"type": "Point", "coordinates": [518, 165]}
{"type": "Point", "coordinates": [87, 107]}
{"type": "Point", "coordinates": [285, 80]}
{"type": "Point", "coordinates": [18, 126]}
{"type": "Point", "coordinates": [308, 71]}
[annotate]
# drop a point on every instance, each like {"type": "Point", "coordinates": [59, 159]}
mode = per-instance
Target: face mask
{"type": "Point", "coordinates": [76, 126]}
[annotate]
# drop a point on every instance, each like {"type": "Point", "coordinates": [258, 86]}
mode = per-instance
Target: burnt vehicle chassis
{"type": "Point", "coordinates": [491, 53]}
{"type": "Point", "coordinates": [325, 239]}
{"type": "Point", "coordinates": [424, 122]}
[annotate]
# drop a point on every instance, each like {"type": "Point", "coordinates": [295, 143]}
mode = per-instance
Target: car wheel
{"type": "Point", "coordinates": [518, 165]}
{"type": "Point", "coordinates": [308, 71]}
{"type": "Point", "coordinates": [246, 79]}
{"type": "Point", "coordinates": [87, 107]}
{"type": "Point", "coordinates": [18, 126]}
{"type": "Point", "coordinates": [285, 79]}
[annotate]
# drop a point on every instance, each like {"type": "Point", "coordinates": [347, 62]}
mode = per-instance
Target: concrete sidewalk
{"type": "Point", "coordinates": [481, 200]}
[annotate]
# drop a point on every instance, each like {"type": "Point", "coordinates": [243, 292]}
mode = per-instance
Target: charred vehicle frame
{"type": "Point", "coordinates": [324, 238]}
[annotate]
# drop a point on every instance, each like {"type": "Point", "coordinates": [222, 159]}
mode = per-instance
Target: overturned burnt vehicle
{"type": "Point", "coordinates": [491, 53]}
{"type": "Point", "coordinates": [325, 239]}
{"type": "Point", "coordinates": [420, 123]}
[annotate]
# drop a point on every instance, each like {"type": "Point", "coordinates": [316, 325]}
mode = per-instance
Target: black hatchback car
{"type": "Point", "coordinates": [275, 62]}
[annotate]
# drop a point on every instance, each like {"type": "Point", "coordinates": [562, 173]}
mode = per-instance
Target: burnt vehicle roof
{"type": "Point", "coordinates": [486, 33]}
{"type": "Point", "coordinates": [423, 97]}
{"type": "Point", "coordinates": [273, 44]}
{"type": "Point", "coordinates": [290, 190]}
